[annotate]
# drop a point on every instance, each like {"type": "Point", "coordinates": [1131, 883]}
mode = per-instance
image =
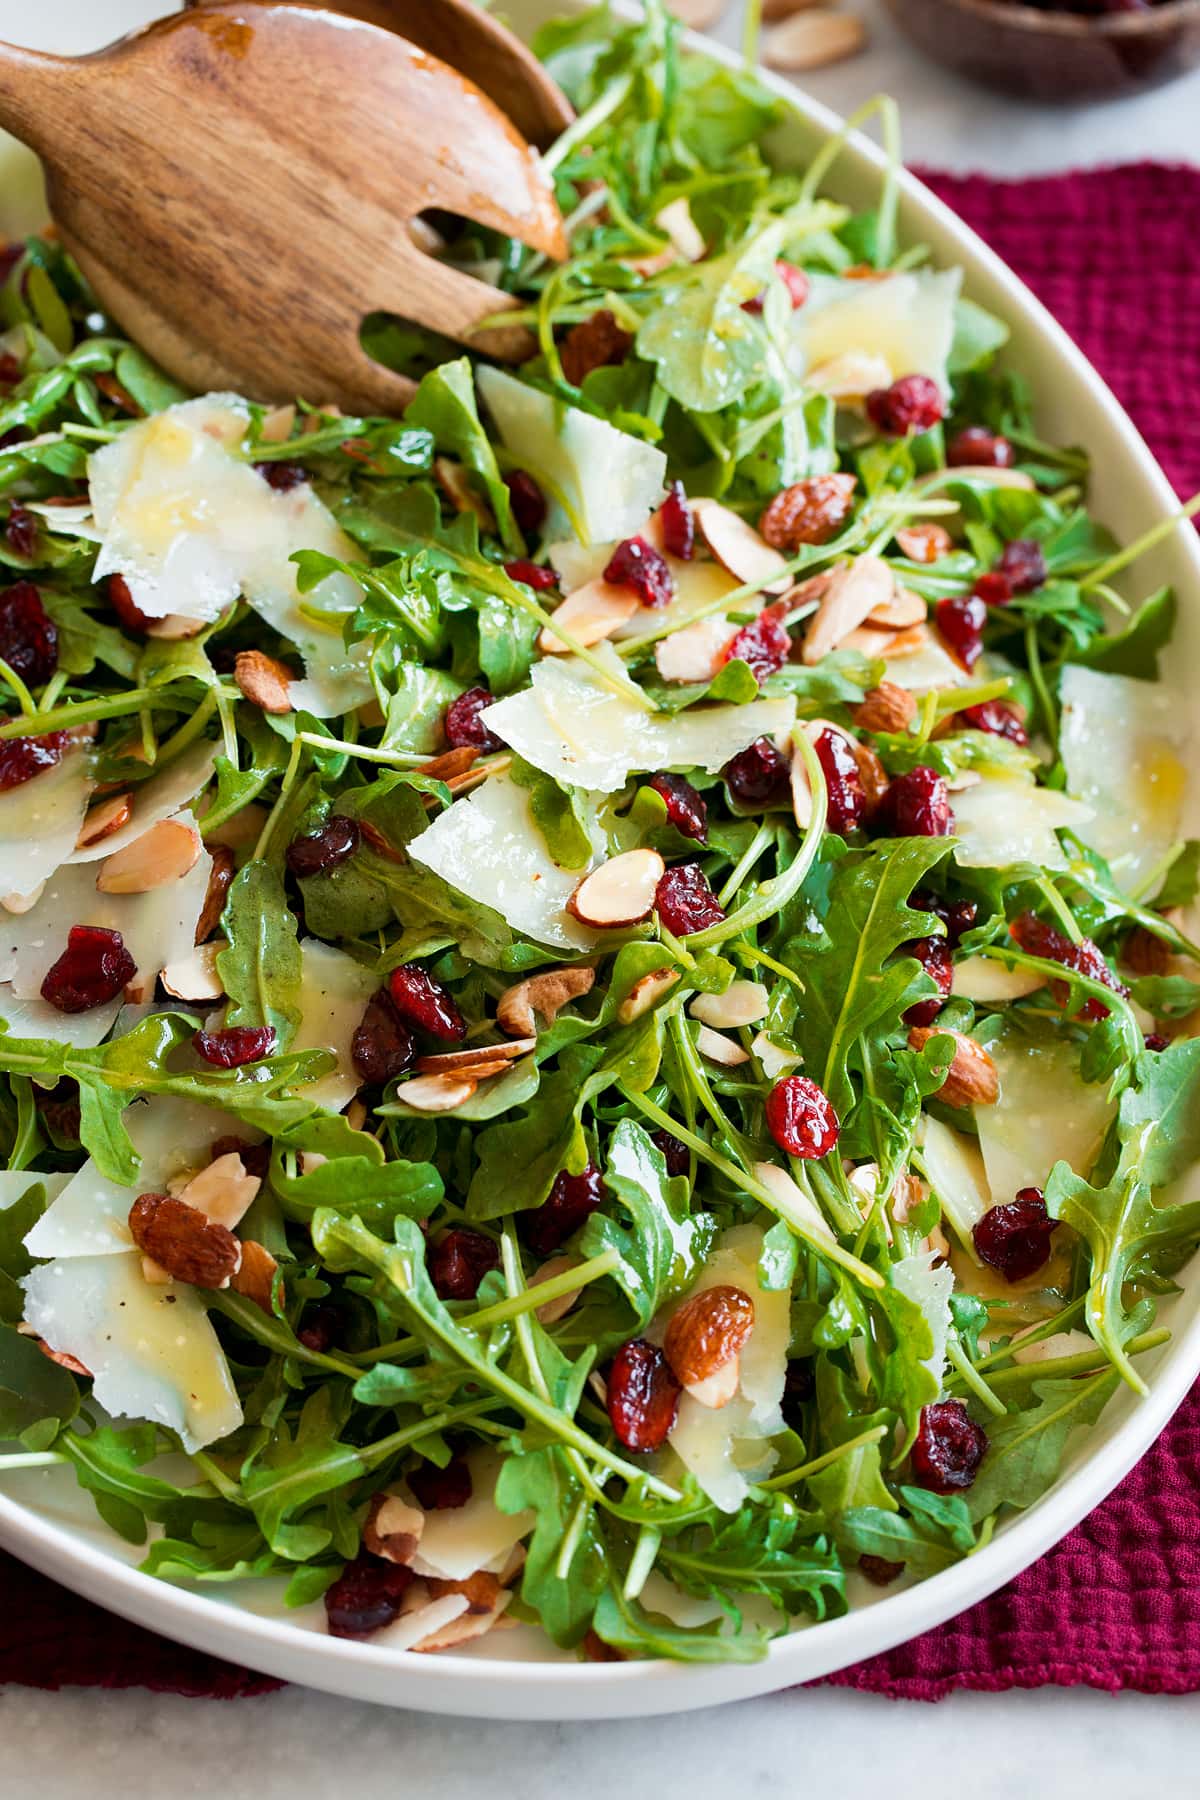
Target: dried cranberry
{"type": "Point", "coordinates": [235, 1046]}
{"type": "Point", "coordinates": [28, 635]}
{"type": "Point", "coordinates": [801, 1118]}
{"type": "Point", "coordinates": [322, 1328]}
{"type": "Point", "coordinates": [21, 531]}
{"type": "Point", "coordinates": [961, 916]}
{"type": "Point", "coordinates": [21, 758]}
{"type": "Point", "coordinates": [947, 1449]}
{"type": "Point", "coordinates": [595, 343]}
{"type": "Point", "coordinates": [1023, 565]}
{"type": "Point", "coordinates": [993, 588]}
{"type": "Point", "coordinates": [462, 724]}
{"type": "Point", "coordinates": [382, 1045]}
{"type": "Point", "coordinates": [678, 524]}
{"type": "Point", "coordinates": [847, 799]}
{"type": "Point", "coordinates": [878, 1571]}
{"type": "Point", "coordinates": [918, 804]}
{"type": "Point", "coordinates": [686, 811]}
{"type": "Point", "coordinates": [794, 280]}
{"type": "Point", "coordinates": [10, 366]}
{"type": "Point", "coordinates": [527, 500]}
{"type": "Point", "coordinates": [961, 619]}
{"type": "Point", "coordinates": [643, 1395]}
{"type": "Point", "coordinates": [459, 1261]}
{"type": "Point", "coordinates": [534, 575]}
{"type": "Point", "coordinates": [441, 1490]}
{"type": "Point", "coordinates": [571, 1200]}
{"type": "Point", "coordinates": [127, 609]}
{"type": "Point", "coordinates": [758, 775]}
{"type": "Point", "coordinates": [934, 956]}
{"type": "Point", "coordinates": [425, 1003]}
{"type": "Point", "coordinates": [763, 645]}
{"type": "Point", "coordinates": [637, 565]}
{"type": "Point", "coordinates": [912, 404]}
{"type": "Point", "coordinates": [799, 1387]}
{"type": "Point", "coordinates": [998, 717]}
{"type": "Point", "coordinates": [1015, 1238]}
{"type": "Point", "coordinates": [366, 1596]}
{"type": "Point", "coordinates": [1086, 958]}
{"type": "Point", "coordinates": [282, 476]}
{"type": "Point", "coordinates": [256, 1158]}
{"type": "Point", "coordinates": [319, 852]}
{"type": "Point", "coordinates": [977, 447]}
{"type": "Point", "coordinates": [91, 971]}
{"type": "Point", "coordinates": [1156, 1040]}
{"type": "Point", "coordinates": [677, 1156]}
{"type": "Point", "coordinates": [685, 902]}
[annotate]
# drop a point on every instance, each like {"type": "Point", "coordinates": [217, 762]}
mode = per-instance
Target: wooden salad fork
{"type": "Point", "coordinates": [241, 185]}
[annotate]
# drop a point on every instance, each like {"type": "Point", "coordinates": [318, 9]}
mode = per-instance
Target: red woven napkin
{"type": "Point", "coordinates": [1116, 256]}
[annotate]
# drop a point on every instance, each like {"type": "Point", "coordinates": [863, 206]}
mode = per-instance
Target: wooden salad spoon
{"type": "Point", "coordinates": [460, 33]}
{"type": "Point", "coordinates": [241, 185]}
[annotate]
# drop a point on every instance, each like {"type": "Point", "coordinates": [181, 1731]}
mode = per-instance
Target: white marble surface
{"type": "Point", "coordinates": [1077, 1745]}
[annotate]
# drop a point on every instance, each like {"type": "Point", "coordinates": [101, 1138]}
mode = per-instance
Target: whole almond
{"type": "Point", "coordinates": [972, 1078]}
{"type": "Point", "coordinates": [263, 680]}
{"type": "Point", "coordinates": [813, 38]}
{"type": "Point", "coordinates": [871, 773]}
{"type": "Point", "coordinates": [182, 1241]}
{"type": "Point", "coordinates": [707, 1332]}
{"type": "Point", "coordinates": [162, 855]}
{"type": "Point", "coordinates": [887, 707]}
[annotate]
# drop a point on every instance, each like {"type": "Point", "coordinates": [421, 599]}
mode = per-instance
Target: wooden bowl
{"type": "Point", "coordinates": [1053, 56]}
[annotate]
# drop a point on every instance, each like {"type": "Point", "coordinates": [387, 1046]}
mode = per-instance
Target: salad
{"type": "Point", "coordinates": [596, 1011]}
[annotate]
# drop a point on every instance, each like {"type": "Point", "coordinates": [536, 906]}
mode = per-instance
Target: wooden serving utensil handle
{"type": "Point", "coordinates": [35, 90]}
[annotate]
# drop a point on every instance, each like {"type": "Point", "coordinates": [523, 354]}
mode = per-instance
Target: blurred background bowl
{"type": "Point", "coordinates": [1054, 56]}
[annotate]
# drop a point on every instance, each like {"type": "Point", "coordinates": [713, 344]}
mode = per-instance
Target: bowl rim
{"type": "Point", "coordinates": [1014, 16]}
{"type": "Point", "coordinates": [475, 1686]}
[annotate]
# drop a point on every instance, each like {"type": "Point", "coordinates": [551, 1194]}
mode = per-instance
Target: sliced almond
{"type": "Point", "coordinates": [868, 641]}
{"type": "Point", "coordinates": [455, 482]}
{"type": "Point", "coordinates": [972, 1078]}
{"type": "Point", "coordinates": [277, 425]}
{"type": "Point", "coordinates": [463, 1630]}
{"type": "Point", "coordinates": [255, 1279]}
{"type": "Point", "coordinates": [742, 1003]}
{"type": "Point", "coordinates": [676, 217]}
{"type": "Point", "coordinates": [812, 39]}
{"type": "Point", "coordinates": [910, 642]}
{"type": "Point", "coordinates": [697, 15]}
{"type": "Point", "coordinates": [904, 609]}
{"type": "Point", "coordinates": [263, 680]}
{"type": "Point", "coordinates": [100, 821]}
{"type": "Point", "coordinates": [924, 543]}
{"type": "Point", "coordinates": [620, 892]}
{"type": "Point", "coordinates": [773, 1058]}
{"type": "Point", "coordinates": [857, 588]}
{"type": "Point", "coordinates": [552, 1310]}
{"type": "Point", "coordinates": [451, 763]}
{"type": "Point", "coordinates": [220, 879]}
{"type": "Point", "coordinates": [646, 992]}
{"type": "Point", "coordinates": [1011, 478]}
{"type": "Point", "coordinates": [223, 1191]}
{"type": "Point", "coordinates": [162, 855]}
{"type": "Point", "coordinates": [850, 376]}
{"type": "Point", "coordinates": [720, 1049]}
{"type": "Point", "coordinates": [591, 614]}
{"type": "Point", "coordinates": [542, 996]}
{"type": "Point", "coordinates": [739, 548]}
{"type": "Point", "coordinates": [791, 1199]}
{"type": "Point", "coordinates": [453, 1062]}
{"type": "Point", "coordinates": [695, 652]}
{"type": "Point", "coordinates": [174, 627]}
{"type": "Point", "coordinates": [393, 1529]}
{"type": "Point", "coordinates": [436, 1093]}
{"type": "Point", "coordinates": [23, 903]}
{"type": "Point", "coordinates": [195, 977]}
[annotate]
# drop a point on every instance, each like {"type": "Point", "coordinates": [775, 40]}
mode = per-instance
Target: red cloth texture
{"type": "Point", "coordinates": [1115, 254]}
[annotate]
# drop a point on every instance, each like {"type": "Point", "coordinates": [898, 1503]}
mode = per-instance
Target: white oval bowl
{"type": "Point", "coordinates": [47, 1522]}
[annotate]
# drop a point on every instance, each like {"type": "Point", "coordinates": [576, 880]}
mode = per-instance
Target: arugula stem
{"type": "Point", "coordinates": [972, 1379]}
{"type": "Point", "coordinates": [1062, 1368]}
{"type": "Point", "coordinates": [791, 1476]}
{"type": "Point", "coordinates": [82, 712]}
{"type": "Point", "coordinates": [645, 1554]}
{"type": "Point", "coordinates": [775, 894]}
{"type": "Point", "coordinates": [32, 1459]}
{"type": "Point", "coordinates": [1147, 541]}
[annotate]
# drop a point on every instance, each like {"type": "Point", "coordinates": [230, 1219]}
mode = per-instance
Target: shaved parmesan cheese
{"type": "Point", "coordinates": [160, 796]}
{"type": "Point", "coordinates": [151, 1349]}
{"type": "Point", "coordinates": [930, 1289]}
{"type": "Point", "coordinates": [411, 1627]}
{"type": "Point", "coordinates": [16, 1183]}
{"type": "Point", "coordinates": [36, 1018]}
{"type": "Point", "coordinates": [90, 1215]}
{"type": "Point", "coordinates": [1120, 747]}
{"type": "Point", "coordinates": [456, 1541]}
{"type": "Point", "coordinates": [907, 319]}
{"type": "Point", "coordinates": [190, 526]}
{"type": "Point", "coordinates": [334, 991]}
{"type": "Point", "coordinates": [609, 482]}
{"type": "Point", "coordinates": [931, 667]}
{"type": "Point", "coordinates": [487, 847]}
{"type": "Point", "coordinates": [1004, 820]}
{"type": "Point", "coordinates": [956, 1173]}
{"type": "Point", "coordinates": [1045, 1113]}
{"type": "Point", "coordinates": [572, 727]}
{"type": "Point", "coordinates": [39, 822]}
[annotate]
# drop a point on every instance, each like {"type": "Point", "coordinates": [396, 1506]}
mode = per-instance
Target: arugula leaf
{"type": "Point", "coordinates": [32, 1388]}
{"type": "Point", "coordinates": [293, 1472]}
{"type": "Point", "coordinates": [445, 406]}
{"type": "Point", "coordinates": [542, 1481]}
{"type": "Point", "coordinates": [1025, 1450]}
{"type": "Point", "coordinates": [261, 967]}
{"type": "Point", "coordinates": [662, 1249]}
{"type": "Point", "coordinates": [1134, 649]}
{"type": "Point", "coordinates": [628, 1627]}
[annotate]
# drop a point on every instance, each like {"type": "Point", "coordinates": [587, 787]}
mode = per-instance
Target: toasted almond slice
{"type": "Point", "coordinates": [223, 1191]}
{"type": "Point", "coordinates": [552, 1310]}
{"type": "Point", "coordinates": [451, 762]}
{"type": "Point", "coordinates": [23, 903]}
{"type": "Point", "coordinates": [220, 879]}
{"type": "Point", "coordinates": [481, 1056]}
{"type": "Point", "coordinates": [742, 1003]}
{"type": "Point", "coordinates": [646, 992]}
{"type": "Point", "coordinates": [455, 482]}
{"type": "Point", "coordinates": [393, 1529]}
{"type": "Point", "coordinates": [720, 1049]}
{"type": "Point", "coordinates": [591, 614]}
{"type": "Point", "coordinates": [808, 592]}
{"type": "Point", "coordinates": [739, 548]}
{"type": "Point", "coordinates": [160, 856]}
{"type": "Point", "coordinates": [620, 892]}
{"type": "Point", "coordinates": [195, 977]}
{"type": "Point", "coordinates": [255, 1277]}
{"type": "Point", "coordinates": [874, 644]}
{"type": "Point", "coordinates": [774, 1059]}
{"type": "Point", "coordinates": [910, 642]}
{"type": "Point", "coordinates": [676, 217]}
{"type": "Point", "coordinates": [924, 543]}
{"type": "Point", "coordinates": [278, 425]}
{"type": "Point", "coordinates": [263, 680]}
{"type": "Point", "coordinates": [437, 1093]}
{"type": "Point", "coordinates": [100, 821]}
{"type": "Point", "coordinates": [856, 589]}
{"type": "Point", "coordinates": [695, 652]}
{"type": "Point", "coordinates": [463, 1630]}
{"type": "Point", "coordinates": [174, 627]}
{"type": "Point", "coordinates": [542, 996]}
{"type": "Point", "coordinates": [850, 376]}
{"type": "Point", "coordinates": [904, 609]}
{"type": "Point", "coordinates": [1011, 478]}
{"type": "Point", "coordinates": [813, 39]}
{"type": "Point", "coordinates": [697, 15]}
